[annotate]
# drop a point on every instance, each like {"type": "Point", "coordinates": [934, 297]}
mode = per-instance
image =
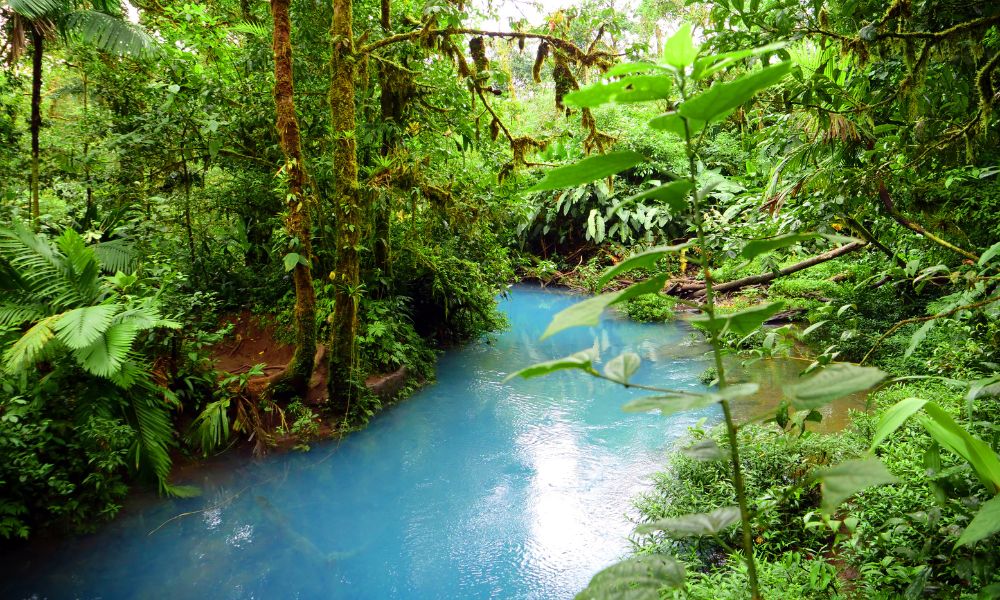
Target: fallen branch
{"type": "Point", "coordinates": [767, 277]}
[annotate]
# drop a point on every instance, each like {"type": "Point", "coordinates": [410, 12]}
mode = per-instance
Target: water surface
{"type": "Point", "coordinates": [470, 489]}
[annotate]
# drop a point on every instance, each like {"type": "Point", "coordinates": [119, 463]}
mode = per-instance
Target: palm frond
{"type": "Point", "coordinates": [80, 269]}
{"type": "Point", "coordinates": [156, 436]}
{"type": "Point", "coordinates": [84, 326]}
{"type": "Point", "coordinates": [211, 427]}
{"type": "Point", "coordinates": [15, 314]}
{"type": "Point", "coordinates": [38, 264]}
{"type": "Point", "coordinates": [105, 356]}
{"type": "Point", "coordinates": [26, 351]}
{"type": "Point", "coordinates": [254, 29]}
{"type": "Point", "coordinates": [109, 33]}
{"type": "Point", "coordinates": [116, 256]}
{"type": "Point", "coordinates": [36, 9]}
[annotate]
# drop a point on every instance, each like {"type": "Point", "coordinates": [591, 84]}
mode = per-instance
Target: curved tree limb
{"type": "Point", "coordinates": [890, 207]}
{"type": "Point", "coordinates": [940, 315]}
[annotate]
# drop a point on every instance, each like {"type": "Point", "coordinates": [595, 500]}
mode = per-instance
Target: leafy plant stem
{"type": "Point", "coordinates": [709, 309]}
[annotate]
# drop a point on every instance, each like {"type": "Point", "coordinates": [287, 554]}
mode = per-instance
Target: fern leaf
{"type": "Point", "coordinates": [26, 351]}
{"type": "Point", "coordinates": [254, 29]}
{"type": "Point", "coordinates": [116, 256]}
{"type": "Point", "coordinates": [82, 327]}
{"type": "Point", "coordinates": [105, 357]}
{"type": "Point", "coordinates": [12, 314]}
{"type": "Point", "coordinates": [110, 34]}
{"type": "Point", "coordinates": [36, 9]}
{"type": "Point", "coordinates": [156, 436]}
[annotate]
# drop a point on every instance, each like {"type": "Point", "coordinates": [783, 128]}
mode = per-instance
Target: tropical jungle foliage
{"type": "Point", "coordinates": [359, 181]}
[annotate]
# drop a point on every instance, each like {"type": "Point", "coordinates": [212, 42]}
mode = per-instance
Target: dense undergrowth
{"type": "Point", "coordinates": [146, 195]}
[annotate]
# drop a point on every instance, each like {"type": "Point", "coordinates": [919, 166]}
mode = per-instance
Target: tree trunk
{"type": "Point", "coordinates": [348, 210]}
{"type": "Point", "coordinates": [767, 277]}
{"type": "Point", "coordinates": [297, 218]}
{"type": "Point", "coordinates": [36, 119]}
{"type": "Point", "coordinates": [890, 207]}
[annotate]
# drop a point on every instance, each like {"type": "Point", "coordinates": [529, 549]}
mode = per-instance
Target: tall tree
{"type": "Point", "coordinates": [297, 219]}
{"type": "Point", "coordinates": [101, 26]}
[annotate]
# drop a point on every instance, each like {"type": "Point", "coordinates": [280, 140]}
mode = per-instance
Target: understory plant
{"type": "Point", "coordinates": [677, 80]}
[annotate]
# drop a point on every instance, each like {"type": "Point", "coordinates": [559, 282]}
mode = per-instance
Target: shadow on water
{"type": "Point", "coordinates": [472, 488]}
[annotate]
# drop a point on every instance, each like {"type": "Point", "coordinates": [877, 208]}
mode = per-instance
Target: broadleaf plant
{"type": "Point", "coordinates": [644, 577]}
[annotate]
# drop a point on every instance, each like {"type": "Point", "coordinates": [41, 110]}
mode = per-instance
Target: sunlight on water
{"type": "Point", "coordinates": [470, 489]}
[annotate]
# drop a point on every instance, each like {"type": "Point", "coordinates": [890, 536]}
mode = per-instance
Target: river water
{"type": "Point", "coordinates": [472, 488]}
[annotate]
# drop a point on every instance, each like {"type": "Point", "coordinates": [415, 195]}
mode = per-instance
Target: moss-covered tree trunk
{"type": "Point", "coordinates": [297, 219]}
{"type": "Point", "coordinates": [36, 118]}
{"type": "Point", "coordinates": [348, 209]}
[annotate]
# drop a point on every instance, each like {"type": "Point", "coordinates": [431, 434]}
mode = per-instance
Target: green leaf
{"type": "Point", "coordinates": [705, 450]}
{"type": "Point", "coordinates": [673, 122]}
{"type": "Point", "coordinates": [644, 260]}
{"type": "Point", "coordinates": [622, 367]}
{"type": "Point", "coordinates": [634, 88]}
{"type": "Point", "coordinates": [850, 477]}
{"type": "Point", "coordinates": [669, 404]}
{"type": "Point", "coordinates": [893, 418]}
{"type": "Point", "coordinates": [755, 248]}
{"type": "Point", "coordinates": [723, 98]}
{"type": "Point", "coordinates": [679, 51]}
{"type": "Point", "coordinates": [582, 360]}
{"type": "Point", "coordinates": [81, 327]}
{"type": "Point", "coordinates": [709, 65]}
{"type": "Point", "coordinates": [673, 194]}
{"type": "Point", "coordinates": [833, 382]}
{"type": "Point", "coordinates": [636, 578]}
{"type": "Point", "coordinates": [697, 524]}
{"type": "Point", "coordinates": [27, 349]}
{"type": "Point", "coordinates": [955, 438]}
{"type": "Point", "coordinates": [589, 169]}
{"type": "Point", "coordinates": [983, 525]}
{"type": "Point", "coordinates": [918, 337]}
{"type": "Point", "coordinates": [588, 312]}
{"type": "Point", "coordinates": [292, 259]}
{"type": "Point", "coordinates": [630, 69]}
{"type": "Point", "coordinates": [989, 254]}
{"type": "Point", "coordinates": [743, 322]}
{"type": "Point", "coordinates": [34, 9]}
{"type": "Point", "coordinates": [104, 357]}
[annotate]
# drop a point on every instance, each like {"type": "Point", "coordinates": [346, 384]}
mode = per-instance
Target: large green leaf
{"type": "Point", "coordinates": [983, 525]}
{"type": "Point", "coordinates": [696, 524]}
{"type": "Point", "coordinates": [743, 322]}
{"type": "Point", "coordinates": [956, 439]}
{"type": "Point", "coordinates": [833, 382]}
{"type": "Point", "coordinates": [644, 260]}
{"type": "Point", "coordinates": [669, 404]}
{"type": "Point", "coordinates": [990, 253]}
{"type": "Point", "coordinates": [723, 98]}
{"type": "Point", "coordinates": [850, 477]}
{"type": "Point", "coordinates": [673, 194]}
{"type": "Point", "coordinates": [709, 65]}
{"type": "Point", "coordinates": [105, 356]}
{"type": "Point", "coordinates": [30, 346]}
{"type": "Point", "coordinates": [588, 312]}
{"type": "Point", "coordinates": [679, 51]}
{"type": "Point", "coordinates": [622, 367]}
{"type": "Point", "coordinates": [705, 450]}
{"type": "Point", "coordinates": [673, 122]}
{"type": "Point", "coordinates": [634, 88]}
{"type": "Point", "coordinates": [81, 327]}
{"type": "Point", "coordinates": [589, 169]}
{"type": "Point", "coordinates": [110, 34]}
{"type": "Point", "coordinates": [894, 417]}
{"type": "Point", "coordinates": [636, 578]}
{"type": "Point", "coordinates": [918, 337]}
{"type": "Point", "coordinates": [34, 9]}
{"type": "Point", "coordinates": [582, 360]}
{"type": "Point", "coordinates": [755, 248]}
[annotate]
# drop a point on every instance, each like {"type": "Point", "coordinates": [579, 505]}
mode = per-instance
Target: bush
{"type": "Point", "coordinates": [650, 308]}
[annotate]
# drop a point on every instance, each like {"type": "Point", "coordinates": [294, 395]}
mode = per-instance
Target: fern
{"type": "Point", "coordinates": [29, 348]}
{"type": "Point", "coordinates": [110, 34]}
{"type": "Point", "coordinates": [116, 256]}
{"type": "Point", "coordinates": [151, 449]}
{"type": "Point", "coordinates": [82, 327]}
{"type": "Point", "coordinates": [105, 357]}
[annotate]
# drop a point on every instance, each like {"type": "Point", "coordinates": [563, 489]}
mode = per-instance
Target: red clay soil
{"type": "Point", "coordinates": [252, 341]}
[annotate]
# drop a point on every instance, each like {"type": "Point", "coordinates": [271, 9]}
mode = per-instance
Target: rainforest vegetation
{"type": "Point", "coordinates": [255, 223]}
